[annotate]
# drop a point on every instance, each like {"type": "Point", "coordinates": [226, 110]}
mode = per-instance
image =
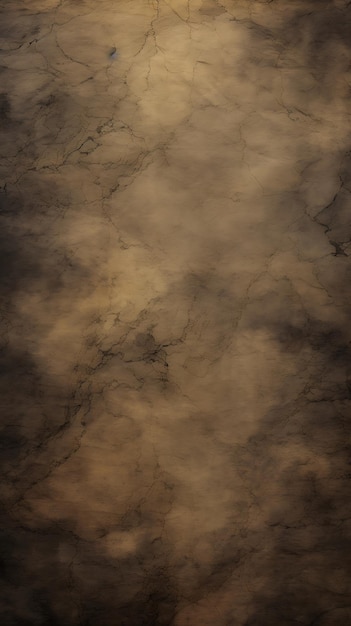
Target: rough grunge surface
{"type": "Point", "coordinates": [175, 230]}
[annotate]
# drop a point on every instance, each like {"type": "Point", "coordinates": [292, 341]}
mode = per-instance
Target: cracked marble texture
{"type": "Point", "coordinates": [175, 180]}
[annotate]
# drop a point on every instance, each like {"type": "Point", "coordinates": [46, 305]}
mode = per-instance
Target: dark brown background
{"type": "Point", "coordinates": [175, 337]}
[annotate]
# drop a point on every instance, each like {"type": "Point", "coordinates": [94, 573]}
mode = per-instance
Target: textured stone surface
{"type": "Point", "coordinates": [175, 336]}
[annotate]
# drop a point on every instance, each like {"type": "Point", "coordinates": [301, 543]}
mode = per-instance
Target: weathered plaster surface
{"type": "Point", "coordinates": [175, 339]}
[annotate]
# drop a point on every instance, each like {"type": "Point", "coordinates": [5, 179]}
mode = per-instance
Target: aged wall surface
{"type": "Point", "coordinates": [175, 230]}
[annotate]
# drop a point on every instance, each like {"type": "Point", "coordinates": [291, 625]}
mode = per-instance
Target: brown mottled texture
{"type": "Point", "coordinates": [175, 362]}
